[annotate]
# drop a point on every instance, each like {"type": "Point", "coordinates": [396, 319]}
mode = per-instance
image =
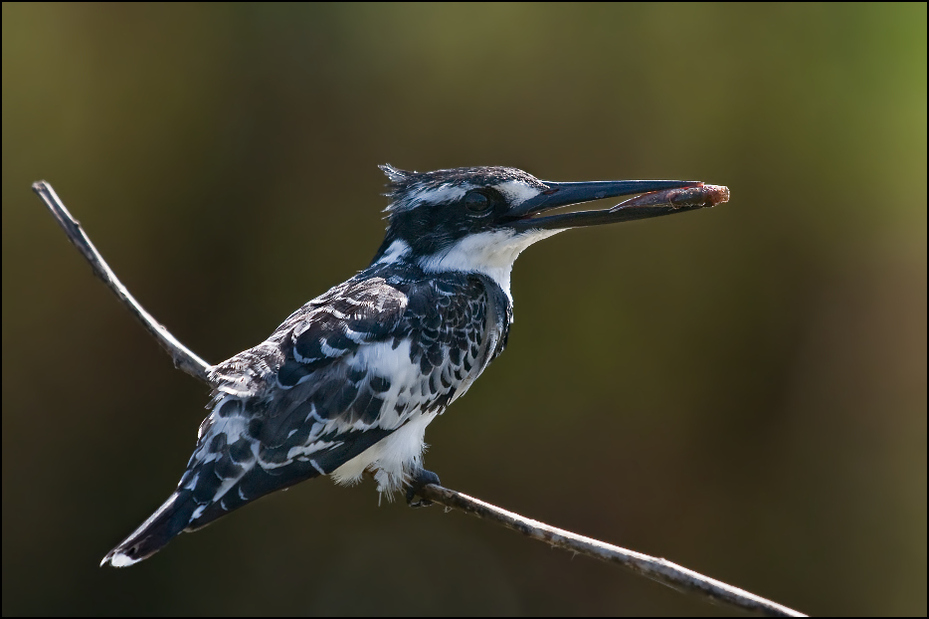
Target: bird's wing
{"type": "Point", "coordinates": [323, 389]}
{"type": "Point", "coordinates": [298, 405]}
{"type": "Point", "coordinates": [326, 386]}
{"type": "Point", "coordinates": [286, 410]}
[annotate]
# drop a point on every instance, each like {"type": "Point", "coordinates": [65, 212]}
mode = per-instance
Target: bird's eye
{"type": "Point", "coordinates": [477, 203]}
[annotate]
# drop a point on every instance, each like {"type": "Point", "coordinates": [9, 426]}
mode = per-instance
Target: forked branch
{"type": "Point", "coordinates": [657, 569]}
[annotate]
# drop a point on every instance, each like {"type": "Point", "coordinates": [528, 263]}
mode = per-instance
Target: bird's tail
{"type": "Point", "coordinates": [161, 527]}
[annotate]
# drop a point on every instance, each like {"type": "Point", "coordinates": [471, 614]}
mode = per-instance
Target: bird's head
{"type": "Point", "coordinates": [479, 219]}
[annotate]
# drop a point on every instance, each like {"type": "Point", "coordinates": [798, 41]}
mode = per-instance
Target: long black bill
{"type": "Point", "coordinates": [660, 198]}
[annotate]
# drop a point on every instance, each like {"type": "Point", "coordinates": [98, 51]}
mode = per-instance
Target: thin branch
{"type": "Point", "coordinates": [660, 570]}
{"type": "Point", "coordinates": [657, 569]}
{"type": "Point", "coordinates": [184, 359]}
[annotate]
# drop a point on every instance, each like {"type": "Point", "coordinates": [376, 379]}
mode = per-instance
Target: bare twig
{"type": "Point", "coordinates": [657, 569]}
{"type": "Point", "coordinates": [184, 359]}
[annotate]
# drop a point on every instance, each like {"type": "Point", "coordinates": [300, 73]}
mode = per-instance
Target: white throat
{"type": "Point", "coordinates": [489, 253]}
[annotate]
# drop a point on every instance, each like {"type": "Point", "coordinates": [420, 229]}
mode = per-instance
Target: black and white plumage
{"type": "Point", "coordinates": [349, 382]}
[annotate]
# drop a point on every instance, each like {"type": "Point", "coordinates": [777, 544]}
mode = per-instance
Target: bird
{"type": "Point", "coordinates": [348, 382]}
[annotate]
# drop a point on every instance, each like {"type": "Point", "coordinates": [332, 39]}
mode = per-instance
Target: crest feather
{"type": "Point", "coordinates": [406, 188]}
{"type": "Point", "coordinates": [393, 174]}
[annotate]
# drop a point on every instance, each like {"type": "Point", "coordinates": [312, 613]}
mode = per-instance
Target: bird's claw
{"type": "Point", "coordinates": [420, 479]}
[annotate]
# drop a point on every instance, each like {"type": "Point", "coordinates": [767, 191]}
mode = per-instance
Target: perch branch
{"type": "Point", "coordinates": [657, 569]}
{"type": "Point", "coordinates": [660, 570]}
{"type": "Point", "coordinates": [184, 359]}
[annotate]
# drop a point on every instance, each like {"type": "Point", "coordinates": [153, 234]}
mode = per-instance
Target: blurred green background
{"type": "Point", "coordinates": [741, 390]}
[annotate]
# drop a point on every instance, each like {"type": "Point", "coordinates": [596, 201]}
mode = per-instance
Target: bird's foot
{"type": "Point", "coordinates": [420, 478]}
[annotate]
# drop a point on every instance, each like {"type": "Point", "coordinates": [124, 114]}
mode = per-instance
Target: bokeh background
{"type": "Point", "coordinates": [741, 390]}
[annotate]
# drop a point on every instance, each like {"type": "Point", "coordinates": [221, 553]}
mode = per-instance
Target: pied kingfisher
{"type": "Point", "coordinates": [349, 382]}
